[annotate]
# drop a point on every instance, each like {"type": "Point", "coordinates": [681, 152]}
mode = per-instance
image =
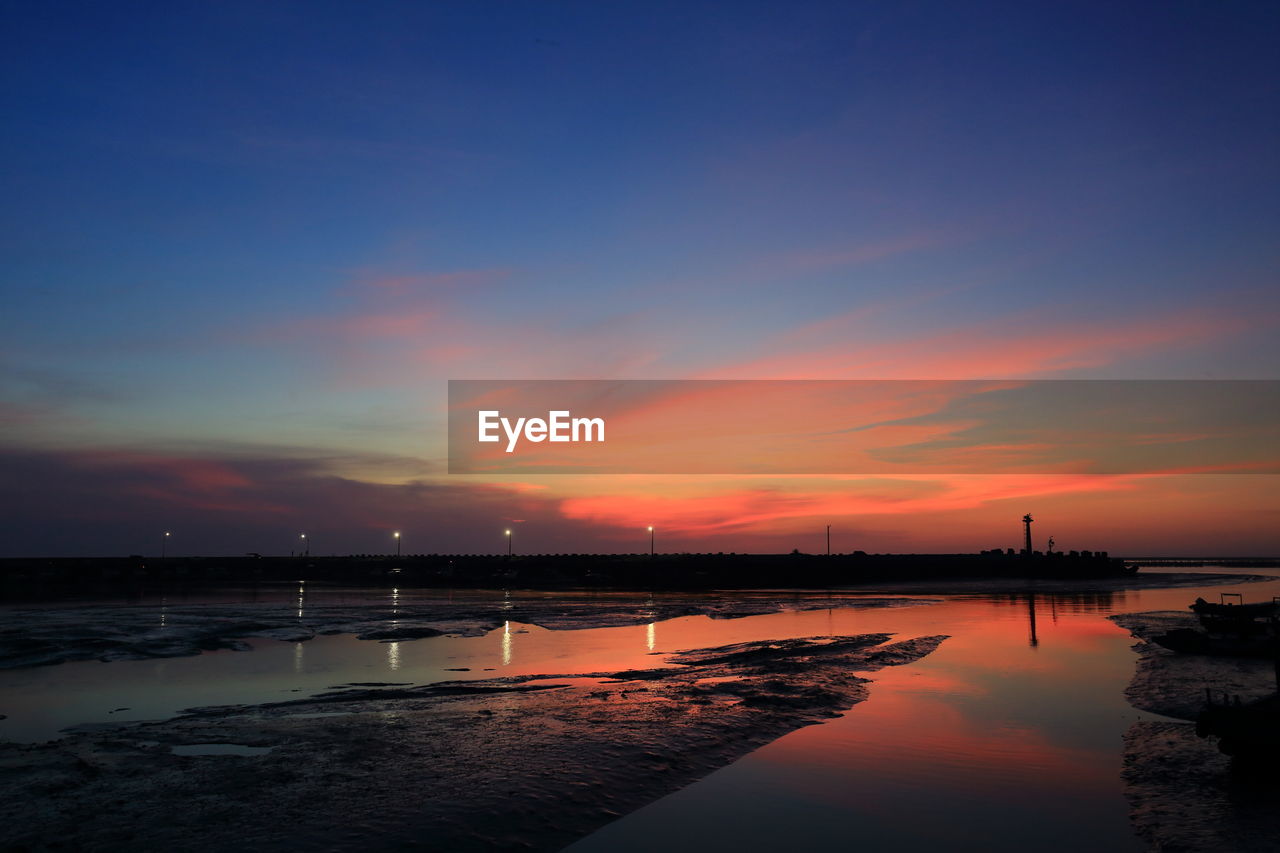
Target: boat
{"type": "Point", "coordinates": [1249, 732]}
{"type": "Point", "coordinates": [1253, 610]}
{"type": "Point", "coordinates": [1235, 612]}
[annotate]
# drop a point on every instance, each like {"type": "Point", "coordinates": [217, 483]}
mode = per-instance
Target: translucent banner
{"type": "Point", "coordinates": [880, 427]}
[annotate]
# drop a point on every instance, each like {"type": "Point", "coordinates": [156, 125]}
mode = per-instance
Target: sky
{"type": "Point", "coordinates": [245, 246]}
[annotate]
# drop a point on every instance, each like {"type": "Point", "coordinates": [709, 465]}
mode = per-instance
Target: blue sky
{"type": "Point", "coordinates": [285, 225]}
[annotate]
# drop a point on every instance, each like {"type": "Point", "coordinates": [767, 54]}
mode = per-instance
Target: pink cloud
{"type": "Point", "coordinates": [1016, 347]}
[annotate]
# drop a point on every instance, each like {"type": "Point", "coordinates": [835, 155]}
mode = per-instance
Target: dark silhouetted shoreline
{"type": "Point", "coordinates": [562, 571]}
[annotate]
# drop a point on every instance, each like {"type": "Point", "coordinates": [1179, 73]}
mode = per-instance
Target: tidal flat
{"type": "Point", "coordinates": [600, 721]}
{"type": "Point", "coordinates": [526, 762]}
{"type": "Point", "coordinates": [1183, 791]}
{"type": "Point", "coordinates": [40, 636]}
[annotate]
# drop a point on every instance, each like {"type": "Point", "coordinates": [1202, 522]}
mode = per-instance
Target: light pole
{"type": "Point", "coordinates": [164, 545]}
{"type": "Point", "coordinates": [828, 540]}
{"type": "Point", "coordinates": [397, 538]}
{"type": "Point", "coordinates": [650, 540]}
{"type": "Point", "coordinates": [508, 532]}
{"type": "Point", "coordinates": [306, 548]}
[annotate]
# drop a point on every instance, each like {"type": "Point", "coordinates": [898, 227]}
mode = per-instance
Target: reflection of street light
{"type": "Point", "coordinates": [508, 544]}
{"type": "Point", "coordinates": [164, 545]}
{"type": "Point", "coordinates": [650, 540]}
{"type": "Point", "coordinates": [397, 536]}
{"type": "Point", "coordinates": [306, 549]}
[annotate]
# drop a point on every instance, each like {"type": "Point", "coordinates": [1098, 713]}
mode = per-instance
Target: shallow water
{"type": "Point", "coordinates": [1008, 736]}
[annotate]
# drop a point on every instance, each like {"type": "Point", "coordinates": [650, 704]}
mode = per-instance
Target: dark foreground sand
{"type": "Point", "coordinates": [1182, 794]}
{"type": "Point", "coordinates": [519, 763]}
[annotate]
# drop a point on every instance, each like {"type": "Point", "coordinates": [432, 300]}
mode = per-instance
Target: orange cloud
{"type": "Point", "coordinates": [760, 507]}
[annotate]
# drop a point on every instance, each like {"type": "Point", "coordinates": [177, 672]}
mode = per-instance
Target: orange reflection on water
{"type": "Point", "coordinates": [1007, 737]}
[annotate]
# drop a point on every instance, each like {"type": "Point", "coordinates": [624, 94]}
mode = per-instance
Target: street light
{"type": "Point", "coordinates": [397, 536]}
{"type": "Point", "coordinates": [164, 545]}
{"type": "Point", "coordinates": [650, 540]}
{"type": "Point", "coordinates": [508, 532]}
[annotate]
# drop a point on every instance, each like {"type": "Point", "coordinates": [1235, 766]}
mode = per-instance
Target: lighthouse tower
{"type": "Point", "coordinates": [1026, 524]}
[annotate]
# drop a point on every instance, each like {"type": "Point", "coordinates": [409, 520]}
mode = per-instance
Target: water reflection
{"type": "Point", "coordinates": [1031, 618]}
{"type": "Point", "coordinates": [1034, 605]}
{"type": "Point", "coordinates": [1015, 720]}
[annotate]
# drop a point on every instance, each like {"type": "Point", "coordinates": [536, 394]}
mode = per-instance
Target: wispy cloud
{"type": "Point", "coordinates": [1013, 347]}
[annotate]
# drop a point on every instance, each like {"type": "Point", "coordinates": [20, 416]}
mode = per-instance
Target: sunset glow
{"type": "Point", "coordinates": [235, 299]}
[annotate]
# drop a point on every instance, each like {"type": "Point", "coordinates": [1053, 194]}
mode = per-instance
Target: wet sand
{"type": "Point", "coordinates": [1182, 793]}
{"type": "Point", "coordinates": [44, 636]}
{"type": "Point", "coordinates": [529, 762]}
{"type": "Point", "coordinates": [532, 761]}
{"type": "Point", "coordinates": [39, 636]}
